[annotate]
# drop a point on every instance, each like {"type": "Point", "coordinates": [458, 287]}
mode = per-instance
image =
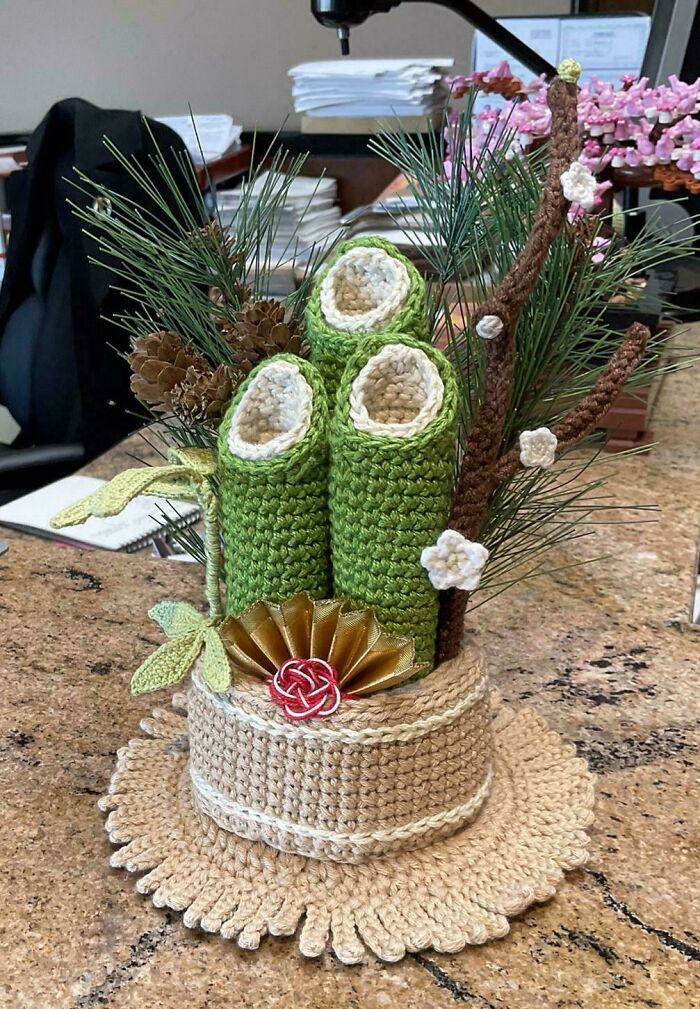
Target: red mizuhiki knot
{"type": "Point", "coordinates": [305, 688]}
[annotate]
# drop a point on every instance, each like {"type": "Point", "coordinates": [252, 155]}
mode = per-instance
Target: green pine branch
{"type": "Point", "coordinates": [479, 219]}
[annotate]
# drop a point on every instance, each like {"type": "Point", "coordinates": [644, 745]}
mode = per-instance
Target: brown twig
{"type": "Point", "coordinates": [586, 415]}
{"type": "Point", "coordinates": [477, 479]}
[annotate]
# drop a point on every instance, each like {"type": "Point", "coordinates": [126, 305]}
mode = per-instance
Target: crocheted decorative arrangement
{"type": "Point", "coordinates": [343, 762]}
{"type": "Point", "coordinates": [367, 287]}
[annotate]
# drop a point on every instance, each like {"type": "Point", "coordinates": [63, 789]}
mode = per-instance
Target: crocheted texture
{"type": "Point", "coordinates": [188, 476]}
{"type": "Point", "coordinates": [343, 284]}
{"type": "Point", "coordinates": [398, 392]}
{"type": "Point", "coordinates": [579, 185]}
{"type": "Point", "coordinates": [538, 448]}
{"type": "Point", "coordinates": [272, 491]}
{"type": "Point", "coordinates": [569, 70]}
{"type": "Point", "coordinates": [189, 469]}
{"type": "Point", "coordinates": [454, 562]}
{"type": "Point", "coordinates": [477, 478]}
{"type": "Point", "coordinates": [390, 495]}
{"type": "Point", "coordinates": [457, 891]}
{"type": "Point", "coordinates": [188, 632]}
{"type": "Point", "coordinates": [363, 290]}
{"type": "Point", "coordinates": [273, 414]}
{"type": "Point", "coordinates": [386, 773]}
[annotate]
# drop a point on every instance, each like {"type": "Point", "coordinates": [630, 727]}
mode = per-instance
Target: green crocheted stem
{"type": "Point", "coordinates": [332, 348]}
{"type": "Point", "coordinates": [389, 498]}
{"type": "Point", "coordinates": [274, 511]}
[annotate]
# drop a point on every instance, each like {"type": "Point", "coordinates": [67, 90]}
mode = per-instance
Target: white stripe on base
{"type": "Point", "coordinates": [378, 734]}
{"type": "Point", "coordinates": [215, 804]}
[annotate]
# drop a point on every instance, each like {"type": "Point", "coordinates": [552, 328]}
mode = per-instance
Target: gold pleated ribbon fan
{"type": "Point", "coordinates": [266, 637]}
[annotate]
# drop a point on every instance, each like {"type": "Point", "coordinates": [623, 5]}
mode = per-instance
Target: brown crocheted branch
{"type": "Point", "coordinates": [477, 479]}
{"type": "Point", "coordinates": [585, 417]}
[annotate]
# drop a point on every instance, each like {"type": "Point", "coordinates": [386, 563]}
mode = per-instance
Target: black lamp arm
{"type": "Point", "coordinates": [500, 35]}
{"type": "Point", "coordinates": [345, 14]}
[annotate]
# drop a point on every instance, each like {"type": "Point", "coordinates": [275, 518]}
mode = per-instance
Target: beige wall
{"type": "Point", "coordinates": [219, 55]}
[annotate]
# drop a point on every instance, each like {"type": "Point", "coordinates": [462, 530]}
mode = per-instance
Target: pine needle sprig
{"type": "Point", "coordinates": [536, 510]}
{"type": "Point", "coordinates": [480, 219]}
{"type": "Point", "coordinates": [167, 263]}
{"type": "Point", "coordinates": [183, 274]}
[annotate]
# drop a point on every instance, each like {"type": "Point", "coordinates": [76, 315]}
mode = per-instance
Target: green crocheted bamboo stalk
{"type": "Point", "coordinates": [274, 506]}
{"type": "Point", "coordinates": [390, 496]}
{"type": "Point", "coordinates": [332, 347]}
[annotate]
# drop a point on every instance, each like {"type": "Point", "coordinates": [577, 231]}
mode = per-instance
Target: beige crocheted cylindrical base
{"type": "Point", "coordinates": [457, 891]}
{"type": "Point", "coordinates": [390, 772]}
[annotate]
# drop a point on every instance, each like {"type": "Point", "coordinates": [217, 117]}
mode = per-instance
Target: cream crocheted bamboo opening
{"type": "Point", "coordinates": [274, 413]}
{"type": "Point", "coordinates": [364, 290]}
{"type": "Point", "coordinates": [397, 393]}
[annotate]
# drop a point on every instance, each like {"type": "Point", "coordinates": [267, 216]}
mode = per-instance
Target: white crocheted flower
{"type": "Point", "coordinates": [579, 185]}
{"type": "Point", "coordinates": [538, 448]}
{"type": "Point", "coordinates": [489, 327]}
{"type": "Point", "coordinates": [454, 562]}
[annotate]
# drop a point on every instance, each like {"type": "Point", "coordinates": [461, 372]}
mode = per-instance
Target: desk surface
{"type": "Point", "coordinates": [605, 652]}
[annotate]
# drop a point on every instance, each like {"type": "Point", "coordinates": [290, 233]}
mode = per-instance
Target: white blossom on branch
{"type": "Point", "coordinates": [579, 185]}
{"type": "Point", "coordinates": [538, 448]}
{"type": "Point", "coordinates": [454, 562]}
{"type": "Point", "coordinates": [489, 327]}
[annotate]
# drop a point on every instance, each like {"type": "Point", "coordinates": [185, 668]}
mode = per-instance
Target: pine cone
{"type": "Point", "coordinates": [202, 397]}
{"type": "Point", "coordinates": [220, 241]}
{"type": "Point", "coordinates": [260, 331]}
{"type": "Point", "coordinates": [213, 236]}
{"type": "Point", "coordinates": [240, 292]}
{"type": "Point", "coordinates": [159, 362]}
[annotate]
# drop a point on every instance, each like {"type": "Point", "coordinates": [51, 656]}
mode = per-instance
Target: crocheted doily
{"type": "Point", "coordinates": [456, 892]}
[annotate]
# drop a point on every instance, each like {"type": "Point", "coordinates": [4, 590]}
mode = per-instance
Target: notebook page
{"type": "Point", "coordinates": [140, 519]}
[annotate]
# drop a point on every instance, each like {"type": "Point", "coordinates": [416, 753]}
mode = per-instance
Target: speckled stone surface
{"type": "Point", "coordinates": [606, 652]}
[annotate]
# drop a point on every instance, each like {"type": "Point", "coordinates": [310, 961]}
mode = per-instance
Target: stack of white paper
{"type": "Point", "coordinates": [348, 88]}
{"type": "Point", "coordinates": [399, 219]}
{"type": "Point", "coordinates": [309, 217]}
{"type": "Point", "coordinates": [206, 137]}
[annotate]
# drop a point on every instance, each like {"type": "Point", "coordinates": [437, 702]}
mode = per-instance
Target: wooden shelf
{"type": "Point", "coordinates": [233, 163]}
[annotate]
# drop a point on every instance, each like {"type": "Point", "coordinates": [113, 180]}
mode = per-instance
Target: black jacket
{"type": "Point", "coordinates": [60, 374]}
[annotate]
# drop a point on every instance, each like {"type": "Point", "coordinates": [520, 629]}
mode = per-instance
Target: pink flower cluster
{"type": "Point", "coordinates": [625, 125]}
{"type": "Point", "coordinates": [638, 125]}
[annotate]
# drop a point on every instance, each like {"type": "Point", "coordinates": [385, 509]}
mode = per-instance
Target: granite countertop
{"type": "Point", "coordinates": [606, 652]}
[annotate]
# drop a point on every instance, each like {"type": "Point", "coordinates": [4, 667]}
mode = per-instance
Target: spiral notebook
{"type": "Point", "coordinates": [141, 520]}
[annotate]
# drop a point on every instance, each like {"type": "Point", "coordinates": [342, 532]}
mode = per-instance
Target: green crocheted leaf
{"type": "Point", "coordinates": [182, 487]}
{"type": "Point", "coordinates": [199, 462]}
{"type": "Point", "coordinates": [216, 670]}
{"type": "Point", "coordinates": [176, 618]}
{"type": "Point", "coordinates": [189, 469]}
{"type": "Point", "coordinates": [168, 665]}
{"type": "Point", "coordinates": [114, 496]}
